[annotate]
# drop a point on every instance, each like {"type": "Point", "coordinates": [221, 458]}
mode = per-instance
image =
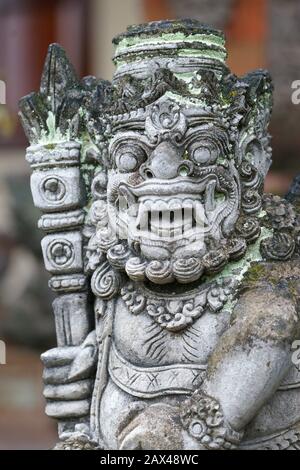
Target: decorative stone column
{"type": "Point", "coordinates": [58, 191]}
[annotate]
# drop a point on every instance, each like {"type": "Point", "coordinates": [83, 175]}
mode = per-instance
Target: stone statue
{"type": "Point", "coordinates": [177, 278]}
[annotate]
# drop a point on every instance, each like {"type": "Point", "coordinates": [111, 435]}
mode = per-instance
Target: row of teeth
{"type": "Point", "coordinates": [170, 223]}
{"type": "Point", "coordinates": [174, 217]}
{"type": "Point", "coordinates": [171, 217]}
{"type": "Point", "coordinates": [207, 200]}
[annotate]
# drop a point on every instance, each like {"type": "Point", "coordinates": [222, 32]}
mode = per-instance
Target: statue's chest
{"type": "Point", "coordinates": [151, 330]}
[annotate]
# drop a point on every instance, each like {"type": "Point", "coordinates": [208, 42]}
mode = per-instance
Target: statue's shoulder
{"type": "Point", "coordinates": [272, 275]}
{"type": "Point", "coordinates": [268, 295]}
{"type": "Point", "coordinates": [267, 307]}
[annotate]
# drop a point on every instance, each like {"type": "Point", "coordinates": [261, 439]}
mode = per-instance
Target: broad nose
{"type": "Point", "coordinates": [166, 162]}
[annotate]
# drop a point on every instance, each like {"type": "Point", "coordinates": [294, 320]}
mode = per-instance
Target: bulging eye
{"type": "Point", "coordinates": [127, 162]}
{"type": "Point", "coordinates": [129, 158]}
{"type": "Point", "coordinates": [203, 153]}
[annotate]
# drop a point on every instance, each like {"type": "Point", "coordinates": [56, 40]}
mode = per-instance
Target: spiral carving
{"type": "Point", "coordinates": [250, 176]}
{"type": "Point", "coordinates": [99, 185]}
{"type": "Point", "coordinates": [105, 282]}
{"type": "Point", "coordinates": [135, 268]}
{"type": "Point", "coordinates": [215, 260]}
{"type": "Point", "coordinates": [279, 247]}
{"type": "Point", "coordinates": [134, 300]}
{"type": "Point", "coordinates": [248, 228]}
{"type": "Point", "coordinates": [159, 272]}
{"type": "Point", "coordinates": [236, 248]}
{"type": "Point", "coordinates": [117, 256]}
{"type": "Point", "coordinates": [105, 239]}
{"type": "Point", "coordinates": [187, 270]}
{"type": "Point", "coordinates": [251, 201]}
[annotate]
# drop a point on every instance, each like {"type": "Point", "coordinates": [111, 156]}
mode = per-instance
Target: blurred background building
{"type": "Point", "coordinates": [260, 34]}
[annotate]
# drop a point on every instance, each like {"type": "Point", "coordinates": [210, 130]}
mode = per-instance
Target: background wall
{"type": "Point", "coordinates": [260, 33]}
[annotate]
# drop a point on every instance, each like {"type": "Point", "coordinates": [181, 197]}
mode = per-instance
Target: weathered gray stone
{"type": "Point", "coordinates": [192, 272]}
{"type": "Point", "coordinates": [63, 254]}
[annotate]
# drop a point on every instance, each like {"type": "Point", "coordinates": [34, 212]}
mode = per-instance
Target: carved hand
{"type": "Point", "coordinates": [69, 377]}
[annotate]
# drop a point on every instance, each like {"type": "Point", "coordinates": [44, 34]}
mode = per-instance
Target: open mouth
{"type": "Point", "coordinates": [170, 210]}
{"type": "Point", "coordinates": [170, 217]}
{"type": "Point", "coordinates": [173, 228]}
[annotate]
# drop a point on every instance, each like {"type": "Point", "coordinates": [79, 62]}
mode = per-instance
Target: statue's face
{"type": "Point", "coordinates": [173, 190]}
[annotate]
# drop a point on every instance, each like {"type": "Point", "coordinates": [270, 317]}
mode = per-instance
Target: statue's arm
{"type": "Point", "coordinates": [250, 360]}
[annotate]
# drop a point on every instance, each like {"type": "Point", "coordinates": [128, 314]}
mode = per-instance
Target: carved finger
{"type": "Point", "coordinates": [84, 363]}
{"type": "Point", "coordinates": [56, 375]}
{"type": "Point", "coordinates": [67, 409]}
{"type": "Point", "coordinates": [133, 440]}
{"type": "Point", "coordinates": [74, 391]}
{"type": "Point", "coordinates": [59, 356]}
{"type": "Point", "coordinates": [128, 416]}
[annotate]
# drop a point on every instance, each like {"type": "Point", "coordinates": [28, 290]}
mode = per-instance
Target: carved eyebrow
{"type": "Point", "coordinates": [208, 127]}
{"type": "Point", "coordinates": [126, 139]}
{"type": "Point", "coordinates": [213, 134]}
{"type": "Point", "coordinates": [198, 115]}
{"type": "Point", "coordinates": [195, 121]}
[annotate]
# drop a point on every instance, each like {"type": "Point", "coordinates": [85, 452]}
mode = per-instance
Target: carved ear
{"type": "Point", "coordinates": [254, 141]}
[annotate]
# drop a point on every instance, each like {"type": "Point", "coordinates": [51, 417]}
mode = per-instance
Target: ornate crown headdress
{"type": "Point", "coordinates": [184, 58]}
